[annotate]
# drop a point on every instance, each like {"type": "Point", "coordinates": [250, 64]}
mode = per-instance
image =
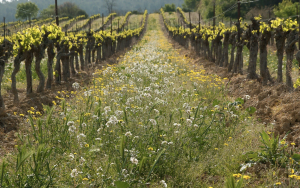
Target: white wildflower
{"type": "Point", "coordinates": [164, 142]}
{"type": "Point", "coordinates": [75, 85]}
{"type": "Point", "coordinates": [153, 121]}
{"type": "Point", "coordinates": [177, 124]}
{"type": "Point", "coordinates": [72, 129]}
{"type": "Point", "coordinates": [128, 134]}
{"type": "Point", "coordinates": [107, 109]}
{"type": "Point", "coordinates": [80, 136]}
{"type": "Point", "coordinates": [134, 160]}
{"type": "Point", "coordinates": [71, 156]}
{"type": "Point", "coordinates": [189, 122]}
{"type": "Point", "coordinates": [164, 184]}
{"type": "Point", "coordinates": [245, 166]}
{"type": "Point", "coordinates": [112, 121]}
{"type": "Point", "coordinates": [247, 97]}
{"type": "Point", "coordinates": [74, 173]}
{"type": "Point", "coordinates": [118, 113]}
{"type": "Point", "coordinates": [87, 93]}
{"type": "Point", "coordinates": [70, 123]}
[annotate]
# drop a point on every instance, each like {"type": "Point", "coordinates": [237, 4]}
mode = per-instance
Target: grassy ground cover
{"type": "Point", "coordinates": [77, 25]}
{"type": "Point", "coordinates": [96, 24]}
{"type": "Point", "coordinates": [152, 120]}
{"type": "Point", "coordinates": [134, 21]}
{"type": "Point", "coordinates": [172, 17]}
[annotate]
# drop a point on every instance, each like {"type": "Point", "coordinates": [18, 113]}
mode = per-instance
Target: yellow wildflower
{"type": "Point", "coordinates": [237, 175]}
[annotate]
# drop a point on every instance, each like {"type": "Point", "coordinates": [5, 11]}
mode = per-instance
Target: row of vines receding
{"type": "Point", "coordinates": [73, 52]}
{"type": "Point", "coordinates": [220, 44]}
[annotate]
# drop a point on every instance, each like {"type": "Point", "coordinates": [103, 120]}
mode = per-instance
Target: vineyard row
{"type": "Point", "coordinates": [73, 51]}
{"type": "Point", "coordinates": [215, 43]}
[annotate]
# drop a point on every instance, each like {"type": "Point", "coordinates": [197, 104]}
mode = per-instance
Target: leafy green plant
{"type": "Point", "coordinates": [272, 151]}
{"type": "Point", "coordinates": [232, 183]}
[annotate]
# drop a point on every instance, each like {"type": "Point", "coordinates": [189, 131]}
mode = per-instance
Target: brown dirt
{"type": "Point", "coordinates": [274, 103]}
{"type": "Point", "coordinates": [9, 122]}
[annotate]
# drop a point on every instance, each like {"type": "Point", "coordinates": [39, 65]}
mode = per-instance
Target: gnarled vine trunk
{"type": "Point", "coordinates": [28, 62]}
{"type": "Point", "coordinates": [280, 37]}
{"type": "Point", "coordinates": [226, 48]}
{"type": "Point", "coordinates": [264, 71]}
{"type": "Point", "coordinates": [51, 55]}
{"type": "Point", "coordinates": [39, 52]}
{"type": "Point", "coordinates": [17, 62]}
{"type": "Point", "coordinates": [289, 49]}
{"type": "Point", "coordinates": [232, 41]}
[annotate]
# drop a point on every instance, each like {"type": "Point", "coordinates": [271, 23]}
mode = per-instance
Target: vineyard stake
{"type": "Point", "coordinates": [190, 21]}
{"type": "Point", "coordinates": [56, 13]}
{"type": "Point", "coordinates": [239, 30]}
{"type": "Point", "coordinates": [102, 21]}
{"type": "Point", "coordinates": [299, 25]}
{"type": "Point", "coordinates": [4, 30]}
{"type": "Point", "coordinates": [90, 22]}
{"type": "Point", "coordinates": [199, 21]}
{"type": "Point", "coordinates": [299, 29]}
{"type": "Point", "coordinates": [214, 20]}
{"type": "Point", "coordinates": [111, 25]}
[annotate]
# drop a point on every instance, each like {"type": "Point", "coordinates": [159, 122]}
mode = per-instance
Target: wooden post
{"type": "Point", "coordinates": [90, 23]}
{"type": "Point", "coordinates": [230, 22]}
{"type": "Point", "coordinates": [102, 21]}
{"type": "Point", "coordinates": [118, 25]}
{"type": "Point", "coordinates": [111, 25]}
{"type": "Point", "coordinates": [56, 13]}
{"type": "Point", "coordinates": [190, 21]}
{"type": "Point", "coordinates": [4, 30]}
{"type": "Point", "coordinates": [199, 20]}
{"type": "Point", "coordinates": [299, 26]}
{"type": "Point", "coordinates": [239, 30]}
{"type": "Point", "coordinates": [214, 20]}
{"type": "Point", "coordinates": [178, 26]}
{"type": "Point", "coordinates": [239, 23]}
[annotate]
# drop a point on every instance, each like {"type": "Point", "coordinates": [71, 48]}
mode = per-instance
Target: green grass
{"type": "Point", "coordinates": [21, 75]}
